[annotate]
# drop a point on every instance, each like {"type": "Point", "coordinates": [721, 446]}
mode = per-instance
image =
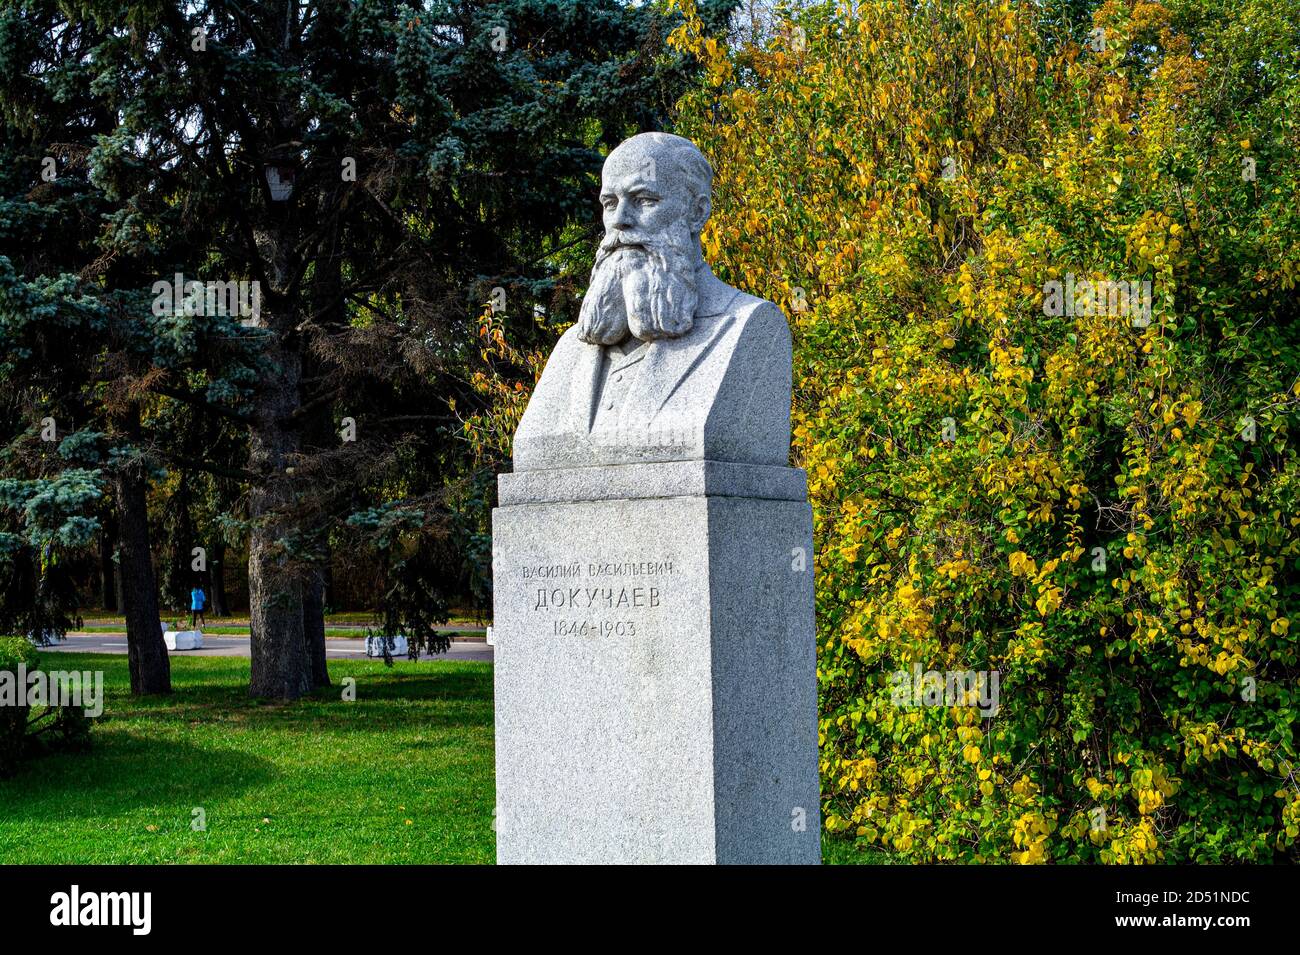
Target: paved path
{"type": "Point", "coordinates": [221, 646]}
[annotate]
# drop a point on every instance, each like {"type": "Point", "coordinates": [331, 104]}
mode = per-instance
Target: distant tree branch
{"type": "Point", "coordinates": [196, 401]}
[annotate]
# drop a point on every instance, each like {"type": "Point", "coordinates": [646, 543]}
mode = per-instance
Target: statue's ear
{"type": "Point", "coordinates": [700, 208]}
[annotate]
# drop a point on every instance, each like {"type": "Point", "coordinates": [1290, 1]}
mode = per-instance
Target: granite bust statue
{"type": "Point", "coordinates": [666, 362]}
{"type": "Point", "coordinates": [655, 663]}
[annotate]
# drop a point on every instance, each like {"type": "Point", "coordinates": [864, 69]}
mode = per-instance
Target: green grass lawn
{"type": "Point", "coordinates": [402, 775]}
{"type": "Point", "coordinates": [241, 630]}
{"type": "Point", "coordinates": [106, 619]}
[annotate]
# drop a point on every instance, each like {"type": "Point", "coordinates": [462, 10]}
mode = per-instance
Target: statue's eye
{"type": "Point", "coordinates": [646, 201]}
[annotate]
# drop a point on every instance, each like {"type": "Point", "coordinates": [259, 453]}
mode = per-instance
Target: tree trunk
{"type": "Point", "coordinates": [185, 577]}
{"type": "Point", "coordinates": [280, 667]}
{"type": "Point", "coordinates": [117, 577]}
{"type": "Point", "coordinates": [217, 578]}
{"type": "Point", "coordinates": [313, 625]}
{"type": "Point", "coordinates": [326, 297]}
{"type": "Point", "coordinates": [107, 566]}
{"type": "Point", "coordinates": [150, 667]}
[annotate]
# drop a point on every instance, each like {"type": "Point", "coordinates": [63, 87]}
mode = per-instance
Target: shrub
{"type": "Point", "coordinates": [13, 713]}
{"type": "Point", "coordinates": [1099, 506]}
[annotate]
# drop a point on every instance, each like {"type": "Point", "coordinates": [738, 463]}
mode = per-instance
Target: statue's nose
{"type": "Point", "coordinates": [623, 216]}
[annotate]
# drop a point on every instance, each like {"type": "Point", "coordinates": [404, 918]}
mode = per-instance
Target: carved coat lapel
{"type": "Point", "coordinates": [584, 386]}
{"type": "Point", "coordinates": [665, 366]}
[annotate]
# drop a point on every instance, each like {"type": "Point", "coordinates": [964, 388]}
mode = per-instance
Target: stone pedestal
{"type": "Point", "coordinates": [656, 697]}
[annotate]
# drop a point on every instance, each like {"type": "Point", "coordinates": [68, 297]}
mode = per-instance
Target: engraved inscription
{"type": "Point", "coordinates": [594, 628]}
{"type": "Point", "coordinates": [593, 598]}
{"type": "Point", "coordinates": [574, 569]}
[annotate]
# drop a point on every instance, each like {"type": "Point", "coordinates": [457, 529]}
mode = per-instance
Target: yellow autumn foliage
{"type": "Point", "coordinates": [1097, 500]}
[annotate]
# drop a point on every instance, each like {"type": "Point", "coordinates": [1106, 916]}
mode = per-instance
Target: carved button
{"type": "Point", "coordinates": [619, 376]}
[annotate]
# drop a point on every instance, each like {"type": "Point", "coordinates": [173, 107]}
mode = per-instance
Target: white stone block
{"type": "Point", "coordinates": [375, 646]}
{"type": "Point", "coordinates": [183, 639]}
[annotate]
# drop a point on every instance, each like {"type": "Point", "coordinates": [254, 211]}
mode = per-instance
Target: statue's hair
{"type": "Point", "coordinates": [684, 154]}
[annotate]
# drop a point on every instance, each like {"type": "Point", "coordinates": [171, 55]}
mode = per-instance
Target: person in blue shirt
{"type": "Point", "coordinates": [197, 600]}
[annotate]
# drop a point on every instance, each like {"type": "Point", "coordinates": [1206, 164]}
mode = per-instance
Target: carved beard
{"type": "Point", "coordinates": [650, 292]}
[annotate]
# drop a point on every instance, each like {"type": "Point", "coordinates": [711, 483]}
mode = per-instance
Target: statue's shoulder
{"type": "Point", "coordinates": [569, 345]}
{"type": "Point", "coordinates": [759, 319]}
{"type": "Point", "coordinates": [747, 308]}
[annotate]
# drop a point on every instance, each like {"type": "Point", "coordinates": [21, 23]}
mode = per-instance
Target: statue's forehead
{"type": "Point", "coordinates": [640, 165]}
